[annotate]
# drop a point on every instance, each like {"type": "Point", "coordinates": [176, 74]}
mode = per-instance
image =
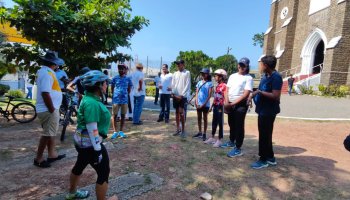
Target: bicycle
{"type": "Point", "coordinates": [23, 112]}
{"type": "Point", "coordinates": [67, 115]}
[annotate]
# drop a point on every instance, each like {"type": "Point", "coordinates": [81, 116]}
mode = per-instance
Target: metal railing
{"type": "Point", "coordinates": [286, 73]}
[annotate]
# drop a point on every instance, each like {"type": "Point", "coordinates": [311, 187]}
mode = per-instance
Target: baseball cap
{"type": "Point", "coordinates": [245, 61]}
{"type": "Point", "coordinates": [179, 62]}
{"type": "Point", "coordinates": [205, 71]}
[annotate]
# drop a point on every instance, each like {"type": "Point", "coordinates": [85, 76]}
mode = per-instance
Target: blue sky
{"type": "Point", "coordinates": [207, 25]}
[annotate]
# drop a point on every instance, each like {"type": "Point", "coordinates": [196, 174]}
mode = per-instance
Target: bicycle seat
{"type": "Point", "coordinates": [10, 97]}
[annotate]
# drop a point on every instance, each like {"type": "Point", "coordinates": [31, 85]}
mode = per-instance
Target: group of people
{"type": "Point", "coordinates": [93, 118]}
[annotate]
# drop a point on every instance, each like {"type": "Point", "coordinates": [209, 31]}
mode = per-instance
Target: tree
{"type": "Point", "coordinates": [258, 39]}
{"type": "Point", "coordinates": [79, 30]}
{"type": "Point", "coordinates": [227, 62]}
{"type": "Point", "coordinates": [194, 62]}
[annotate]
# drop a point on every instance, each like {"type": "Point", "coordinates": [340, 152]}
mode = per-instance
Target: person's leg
{"type": "Point", "coordinates": [142, 100]}
{"type": "Point", "coordinates": [239, 128]}
{"type": "Point", "coordinates": [80, 165]}
{"type": "Point", "coordinates": [199, 121]}
{"type": "Point", "coordinates": [41, 148]}
{"type": "Point", "coordinates": [51, 150]}
{"type": "Point", "coordinates": [102, 169]}
{"type": "Point", "coordinates": [177, 118]}
{"type": "Point", "coordinates": [220, 121]}
{"type": "Point", "coordinates": [232, 126]}
{"type": "Point", "coordinates": [114, 117]}
{"type": "Point", "coordinates": [53, 128]}
{"type": "Point", "coordinates": [136, 118]}
{"type": "Point", "coordinates": [205, 120]}
{"type": "Point", "coordinates": [156, 97]}
{"type": "Point", "coordinates": [167, 104]}
{"type": "Point", "coordinates": [162, 107]}
{"type": "Point", "coordinates": [263, 137]}
{"type": "Point", "coordinates": [123, 110]}
{"type": "Point", "coordinates": [182, 119]}
{"type": "Point", "coordinates": [215, 121]}
{"type": "Point", "coordinates": [269, 124]}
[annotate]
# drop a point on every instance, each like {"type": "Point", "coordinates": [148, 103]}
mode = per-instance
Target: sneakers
{"type": "Point", "coordinates": [79, 194]}
{"type": "Point", "coordinates": [271, 161]}
{"type": "Point", "coordinates": [122, 135]}
{"type": "Point", "coordinates": [259, 164]}
{"type": "Point", "coordinates": [234, 153]}
{"type": "Point", "coordinates": [217, 144]}
{"type": "Point", "coordinates": [177, 133]}
{"type": "Point", "coordinates": [167, 121]}
{"type": "Point", "coordinates": [210, 141]}
{"type": "Point", "coordinates": [198, 135]}
{"type": "Point", "coordinates": [159, 120]}
{"type": "Point", "coordinates": [204, 137]}
{"type": "Point", "coordinates": [183, 135]}
{"type": "Point", "coordinates": [115, 135]}
{"type": "Point", "coordinates": [227, 145]}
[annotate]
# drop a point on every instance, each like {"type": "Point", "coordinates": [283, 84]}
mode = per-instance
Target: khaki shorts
{"type": "Point", "coordinates": [49, 122]}
{"type": "Point", "coordinates": [122, 107]}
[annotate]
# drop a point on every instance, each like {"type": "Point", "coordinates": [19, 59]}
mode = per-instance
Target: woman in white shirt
{"type": "Point", "coordinates": [239, 87]}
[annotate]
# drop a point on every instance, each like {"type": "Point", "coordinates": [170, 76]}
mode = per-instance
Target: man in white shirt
{"type": "Point", "coordinates": [156, 83]}
{"type": "Point", "coordinates": [139, 93]}
{"type": "Point", "coordinates": [181, 88]}
{"type": "Point", "coordinates": [165, 93]}
{"type": "Point", "coordinates": [47, 106]}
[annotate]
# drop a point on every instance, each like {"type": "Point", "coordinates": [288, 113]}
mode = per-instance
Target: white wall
{"type": "Point", "coordinates": [317, 5]}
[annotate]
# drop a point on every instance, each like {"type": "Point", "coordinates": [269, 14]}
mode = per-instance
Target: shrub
{"type": "Point", "coordinates": [151, 91]}
{"type": "Point", "coordinates": [15, 93]}
{"type": "Point", "coordinates": [334, 90]}
{"type": "Point", "coordinates": [306, 90]}
{"type": "Point", "coordinates": [4, 89]}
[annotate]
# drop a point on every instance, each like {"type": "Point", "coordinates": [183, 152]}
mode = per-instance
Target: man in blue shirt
{"type": "Point", "coordinates": [267, 101]}
{"type": "Point", "coordinates": [121, 87]}
{"type": "Point", "coordinates": [62, 78]}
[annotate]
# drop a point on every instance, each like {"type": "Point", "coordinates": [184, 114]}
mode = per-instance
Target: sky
{"type": "Point", "coordinates": [208, 25]}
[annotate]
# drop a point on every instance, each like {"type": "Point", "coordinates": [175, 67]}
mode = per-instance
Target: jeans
{"type": "Point", "coordinates": [236, 122]}
{"type": "Point", "coordinates": [138, 103]}
{"type": "Point", "coordinates": [290, 89]}
{"type": "Point", "coordinates": [29, 94]}
{"type": "Point", "coordinates": [157, 95]}
{"type": "Point", "coordinates": [165, 106]}
{"type": "Point", "coordinates": [218, 120]}
{"type": "Point", "coordinates": [265, 126]}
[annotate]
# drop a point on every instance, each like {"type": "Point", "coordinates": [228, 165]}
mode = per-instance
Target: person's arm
{"type": "Point", "coordinates": [70, 86]}
{"type": "Point", "coordinates": [245, 95]}
{"type": "Point", "coordinates": [248, 88]}
{"type": "Point", "coordinates": [48, 101]}
{"type": "Point", "coordinates": [95, 141]}
{"type": "Point", "coordinates": [196, 98]}
{"type": "Point", "coordinates": [274, 95]}
{"type": "Point", "coordinates": [140, 85]}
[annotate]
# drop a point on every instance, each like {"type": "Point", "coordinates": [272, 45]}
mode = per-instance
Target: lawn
{"type": "Point", "coordinates": [312, 163]}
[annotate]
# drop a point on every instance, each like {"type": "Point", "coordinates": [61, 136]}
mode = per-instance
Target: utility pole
{"type": "Point", "coordinates": [147, 67]}
{"type": "Point", "coordinates": [228, 52]}
{"type": "Point", "coordinates": [161, 64]}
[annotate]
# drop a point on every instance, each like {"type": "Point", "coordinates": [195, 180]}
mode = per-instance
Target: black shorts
{"type": "Point", "coordinates": [180, 103]}
{"type": "Point", "coordinates": [205, 109]}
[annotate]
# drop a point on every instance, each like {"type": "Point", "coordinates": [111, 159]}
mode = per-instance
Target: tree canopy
{"type": "Point", "coordinates": [79, 30]}
{"type": "Point", "coordinates": [258, 39]}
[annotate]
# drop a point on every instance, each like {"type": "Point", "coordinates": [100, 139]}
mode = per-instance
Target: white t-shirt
{"type": "Point", "coordinates": [181, 83]}
{"type": "Point", "coordinates": [136, 77]}
{"type": "Point", "coordinates": [47, 82]}
{"type": "Point", "coordinates": [165, 82]}
{"type": "Point", "coordinates": [237, 84]}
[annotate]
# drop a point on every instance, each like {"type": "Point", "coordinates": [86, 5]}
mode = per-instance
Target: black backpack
{"type": "Point", "coordinates": [347, 143]}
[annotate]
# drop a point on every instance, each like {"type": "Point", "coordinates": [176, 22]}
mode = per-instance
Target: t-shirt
{"type": "Point", "coordinates": [165, 82]}
{"type": "Point", "coordinates": [266, 106]}
{"type": "Point", "coordinates": [219, 95]}
{"type": "Point", "coordinates": [156, 81]}
{"type": "Point", "coordinates": [59, 75]}
{"type": "Point", "coordinates": [181, 83]}
{"type": "Point", "coordinates": [92, 109]}
{"type": "Point", "coordinates": [136, 77]}
{"type": "Point", "coordinates": [237, 84]}
{"type": "Point", "coordinates": [291, 81]}
{"type": "Point", "coordinates": [203, 92]}
{"type": "Point", "coordinates": [121, 85]}
{"type": "Point", "coordinates": [47, 82]}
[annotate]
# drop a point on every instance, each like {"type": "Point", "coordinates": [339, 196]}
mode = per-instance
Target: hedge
{"type": "Point", "coordinates": [151, 91]}
{"type": "Point", "coordinates": [4, 89]}
{"type": "Point", "coordinates": [16, 93]}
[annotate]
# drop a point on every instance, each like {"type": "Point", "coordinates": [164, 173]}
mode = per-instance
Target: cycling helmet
{"type": "Point", "coordinates": [221, 72]}
{"type": "Point", "coordinates": [84, 70]}
{"type": "Point", "coordinates": [92, 77]}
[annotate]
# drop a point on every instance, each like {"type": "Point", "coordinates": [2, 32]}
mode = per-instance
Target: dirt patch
{"type": "Point", "coordinates": [312, 163]}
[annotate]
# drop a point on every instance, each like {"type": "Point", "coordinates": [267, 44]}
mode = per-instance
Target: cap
{"type": "Point", "coordinates": [220, 72]}
{"type": "Point", "coordinates": [261, 57]}
{"type": "Point", "coordinates": [245, 61]}
{"type": "Point", "coordinates": [179, 62]}
{"type": "Point", "coordinates": [205, 71]}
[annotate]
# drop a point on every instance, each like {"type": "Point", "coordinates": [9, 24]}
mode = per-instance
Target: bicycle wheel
{"type": "Point", "coordinates": [65, 124]}
{"type": "Point", "coordinates": [23, 112]}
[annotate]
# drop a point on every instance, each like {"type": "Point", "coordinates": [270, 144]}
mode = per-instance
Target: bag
{"type": "Point", "coordinates": [347, 143]}
{"type": "Point", "coordinates": [228, 109]}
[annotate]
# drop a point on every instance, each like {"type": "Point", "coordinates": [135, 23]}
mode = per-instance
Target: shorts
{"type": "Point", "coordinates": [122, 107]}
{"type": "Point", "coordinates": [49, 122]}
{"type": "Point", "coordinates": [205, 109]}
{"type": "Point", "coordinates": [180, 103]}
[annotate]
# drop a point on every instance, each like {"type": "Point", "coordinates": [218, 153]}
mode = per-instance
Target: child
{"type": "Point", "coordinates": [203, 94]}
{"type": "Point", "coordinates": [217, 107]}
{"type": "Point", "coordinates": [121, 87]}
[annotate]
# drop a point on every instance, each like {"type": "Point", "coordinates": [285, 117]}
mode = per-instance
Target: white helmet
{"type": "Point", "coordinates": [221, 72]}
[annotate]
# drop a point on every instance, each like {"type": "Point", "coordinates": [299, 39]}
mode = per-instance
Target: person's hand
{"type": "Point", "coordinates": [140, 89]}
{"type": "Point", "coordinates": [97, 157]}
{"type": "Point", "coordinates": [160, 87]}
{"type": "Point", "coordinates": [255, 93]}
{"type": "Point", "coordinates": [196, 104]}
{"type": "Point", "coordinates": [210, 109]}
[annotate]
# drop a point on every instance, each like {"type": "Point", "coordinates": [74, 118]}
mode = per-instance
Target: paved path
{"type": "Point", "coordinates": [299, 106]}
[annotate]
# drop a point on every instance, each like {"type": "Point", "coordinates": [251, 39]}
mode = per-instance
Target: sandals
{"type": "Point", "coordinates": [59, 157]}
{"type": "Point", "coordinates": [42, 164]}
{"type": "Point", "coordinates": [79, 194]}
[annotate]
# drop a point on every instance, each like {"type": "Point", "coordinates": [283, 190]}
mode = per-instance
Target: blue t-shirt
{"type": "Point", "coordinates": [120, 93]}
{"type": "Point", "coordinates": [203, 93]}
{"type": "Point", "coordinates": [59, 74]}
{"type": "Point", "coordinates": [266, 106]}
